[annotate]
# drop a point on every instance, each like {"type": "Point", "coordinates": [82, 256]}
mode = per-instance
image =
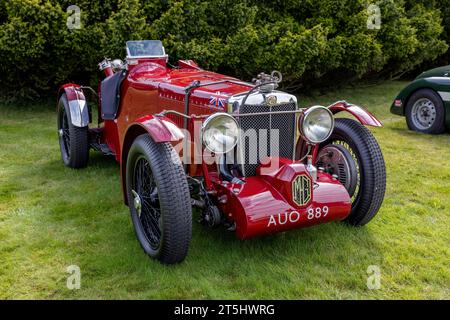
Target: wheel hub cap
{"type": "Point", "coordinates": [137, 202]}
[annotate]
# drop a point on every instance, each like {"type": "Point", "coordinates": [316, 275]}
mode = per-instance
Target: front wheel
{"type": "Point", "coordinates": [159, 200]}
{"type": "Point", "coordinates": [353, 154]}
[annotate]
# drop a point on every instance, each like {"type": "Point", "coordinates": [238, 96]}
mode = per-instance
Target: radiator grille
{"type": "Point", "coordinates": [268, 144]}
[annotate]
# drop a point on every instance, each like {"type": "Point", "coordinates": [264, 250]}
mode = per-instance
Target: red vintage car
{"type": "Point", "coordinates": [244, 153]}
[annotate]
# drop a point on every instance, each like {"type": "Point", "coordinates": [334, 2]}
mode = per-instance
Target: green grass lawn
{"type": "Point", "coordinates": [52, 217]}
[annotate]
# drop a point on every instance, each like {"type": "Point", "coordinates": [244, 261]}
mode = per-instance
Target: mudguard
{"type": "Point", "coordinates": [160, 128]}
{"type": "Point", "coordinates": [79, 111]}
{"type": "Point", "coordinates": [362, 115]}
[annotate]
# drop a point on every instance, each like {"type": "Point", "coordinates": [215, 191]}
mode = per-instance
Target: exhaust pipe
{"type": "Point", "coordinates": [225, 173]}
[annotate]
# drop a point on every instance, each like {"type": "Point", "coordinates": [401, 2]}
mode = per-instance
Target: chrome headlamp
{"type": "Point", "coordinates": [220, 133]}
{"type": "Point", "coordinates": [316, 124]}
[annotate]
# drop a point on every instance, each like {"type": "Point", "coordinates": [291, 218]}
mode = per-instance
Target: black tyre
{"type": "Point", "coordinates": [353, 154]}
{"type": "Point", "coordinates": [73, 141]}
{"type": "Point", "coordinates": [159, 200]}
{"type": "Point", "coordinates": [425, 112]}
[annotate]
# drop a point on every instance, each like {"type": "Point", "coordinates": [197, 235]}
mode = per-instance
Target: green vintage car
{"type": "Point", "coordinates": [425, 102]}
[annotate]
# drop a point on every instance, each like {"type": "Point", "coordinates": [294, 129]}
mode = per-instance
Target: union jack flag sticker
{"type": "Point", "coordinates": [217, 101]}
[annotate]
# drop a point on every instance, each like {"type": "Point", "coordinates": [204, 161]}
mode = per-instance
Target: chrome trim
{"type": "Point", "coordinates": [137, 202]}
{"type": "Point", "coordinates": [301, 189]}
{"type": "Point", "coordinates": [212, 117]}
{"type": "Point", "coordinates": [235, 115]}
{"type": "Point", "coordinates": [437, 78]}
{"type": "Point", "coordinates": [181, 114]}
{"type": "Point", "coordinates": [258, 98]}
{"type": "Point", "coordinates": [79, 112]}
{"type": "Point", "coordinates": [444, 95]}
{"type": "Point", "coordinates": [305, 114]}
{"type": "Point", "coordinates": [282, 99]}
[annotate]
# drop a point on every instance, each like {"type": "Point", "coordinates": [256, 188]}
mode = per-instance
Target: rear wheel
{"type": "Point", "coordinates": [159, 200]}
{"type": "Point", "coordinates": [73, 141]}
{"type": "Point", "coordinates": [354, 156]}
{"type": "Point", "coordinates": [425, 112]}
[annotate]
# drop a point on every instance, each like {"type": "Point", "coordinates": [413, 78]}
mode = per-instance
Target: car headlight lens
{"type": "Point", "coordinates": [220, 133]}
{"type": "Point", "coordinates": [316, 124]}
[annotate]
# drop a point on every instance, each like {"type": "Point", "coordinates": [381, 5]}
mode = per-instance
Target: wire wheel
{"type": "Point", "coordinates": [146, 202]}
{"type": "Point", "coordinates": [64, 134]}
{"type": "Point", "coordinates": [159, 199]}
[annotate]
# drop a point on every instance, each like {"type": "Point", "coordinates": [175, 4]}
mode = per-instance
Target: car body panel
{"type": "Point", "coordinates": [161, 129]}
{"type": "Point", "coordinates": [436, 72]}
{"type": "Point", "coordinates": [263, 204]}
{"type": "Point", "coordinates": [150, 88]}
{"type": "Point", "coordinates": [363, 116]}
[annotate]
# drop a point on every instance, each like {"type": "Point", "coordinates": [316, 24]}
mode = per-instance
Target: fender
{"type": "Point", "coordinates": [79, 111]}
{"type": "Point", "coordinates": [160, 128]}
{"type": "Point", "coordinates": [362, 115]}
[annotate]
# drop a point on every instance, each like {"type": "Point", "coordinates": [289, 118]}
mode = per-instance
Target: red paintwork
{"type": "Point", "coordinates": [161, 129]}
{"type": "Point", "coordinates": [188, 64]}
{"type": "Point", "coordinates": [71, 93]}
{"type": "Point", "coordinates": [108, 71]}
{"type": "Point", "coordinates": [151, 87]}
{"type": "Point", "coordinates": [111, 137]}
{"type": "Point", "coordinates": [363, 116]}
{"type": "Point", "coordinates": [265, 195]}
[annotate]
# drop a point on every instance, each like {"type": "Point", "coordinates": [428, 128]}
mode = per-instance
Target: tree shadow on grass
{"type": "Point", "coordinates": [410, 133]}
{"type": "Point", "coordinates": [99, 160]}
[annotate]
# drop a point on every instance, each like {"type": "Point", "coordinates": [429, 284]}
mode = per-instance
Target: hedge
{"type": "Point", "coordinates": [305, 39]}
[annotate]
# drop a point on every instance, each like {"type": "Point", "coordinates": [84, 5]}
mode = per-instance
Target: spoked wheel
{"type": "Point", "coordinates": [159, 200]}
{"type": "Point", "coordinates": [354, 156]}
{"type": "Point", "coordinates": [73, 141]}
{"type": "Point", "coordinates": [425, 112]}
{"type": "Point", "coordinates": [64, 133]}
{"type": "Point", "coordinates": [146, 202]}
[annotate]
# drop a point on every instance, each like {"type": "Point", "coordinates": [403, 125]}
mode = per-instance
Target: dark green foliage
{"type": "Point", "coordinates": [304, 39]}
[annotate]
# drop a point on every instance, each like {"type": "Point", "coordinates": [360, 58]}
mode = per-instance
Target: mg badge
{"type": "Point", "coordinates": [271, 100]}
{"type": "Point", "coordinates": [301, 189]}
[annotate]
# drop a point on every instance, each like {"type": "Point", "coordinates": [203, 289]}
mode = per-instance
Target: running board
{"type": "Point", "coordinates": [103, 148]}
